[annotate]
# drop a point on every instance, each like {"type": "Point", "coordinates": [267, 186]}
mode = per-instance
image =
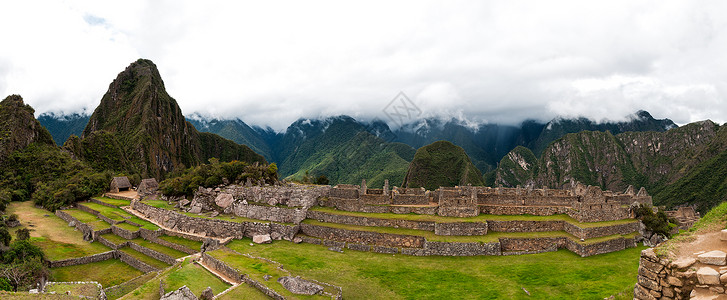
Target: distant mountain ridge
{"type": "Point", "coordinates": [485, 144]}
{"type": "Point", "coordinates": [62, 126]}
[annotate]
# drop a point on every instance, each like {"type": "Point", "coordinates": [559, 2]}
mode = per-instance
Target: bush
{"type": "Point", "coordinates": [655, 222]}
{"type": "Point", "coordinates": [5, 236]}
{"type": "Point", "coordinates": [214, 174]}
{"type": "Point", "coordinates": [22, 234]}
{"type": "Point", "coordinates": [5, 285]}
{"type": "Point", "coordinates": [322, 180]}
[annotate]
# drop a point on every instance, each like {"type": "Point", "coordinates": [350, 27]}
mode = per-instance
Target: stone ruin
{"type": "Point", "coordinates": [685, 216]}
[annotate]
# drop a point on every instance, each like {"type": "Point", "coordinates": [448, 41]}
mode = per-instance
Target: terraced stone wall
{"type": "Point", "coordinates": [152, 253]}
{"type": "Point", "coordinates": [661, 279]}
{"type": "Point", "coordinates": [83, 260]}
{"type": "Point", "coordinates": [129, 235]}
{"type": "Point", "coordinates": [135, 263]}
{"type": "Point", "coordinates": [367, 221]}
{"type": "Point", "coordinates": [362, 237]}
{"type": "Point", "coordinates": [525, 210]}
{"type": "Point", "coordinates": [87, 230]}
{"type": "Point", "coordinates": [461, 228]}
{"type": "Point", "coordinates": [269, 213]}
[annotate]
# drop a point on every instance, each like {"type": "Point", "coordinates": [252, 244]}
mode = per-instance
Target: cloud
{"type": "Point", "coordinates": [270, 63]}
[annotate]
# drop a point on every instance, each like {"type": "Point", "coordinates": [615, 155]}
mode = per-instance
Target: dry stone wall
{"type": "Point", "coordinates": [368, 221]}
{"type": "Point", "coordinates": [362, 237]}
{"type": "Point", "coordinates": [135, 263]}
{"type": "Point", "coordinates": [661, 279]}
{"type": "Point", "coordinates": [83, 260]}
{"type": "Point", "coordinates": [152, 253]}
{"type": "Point", "coordinates": [268, 213]}
{"type": "Point", "coordinates": [461, 228]}
{"type": "Point", "coordinates": [129, 235]}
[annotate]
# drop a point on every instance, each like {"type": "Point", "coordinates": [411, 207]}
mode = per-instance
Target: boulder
{"type": "Point", "coordinates": [207, 294]}
{"type": "Point", "coordinates": [210, 245]}
{"type": "Point", "coordinates": [716, 257]}
{"type": "Point", "coordinates": [707, 275]}
{"type": "Point", "coordinates": [184, 202]}
{"type": "Point", "coordinates": [183, 293]}
{"type": "Point", "coordinates": [195, 210]}
{"type": "Point", "coordinates": [224, 200]}
{"type": "Point", "coordinates": [683, 263]}
{"type": "Point", "coordinates": [297, 285]}
{"type": "Point", "coordinates": [261, 239]}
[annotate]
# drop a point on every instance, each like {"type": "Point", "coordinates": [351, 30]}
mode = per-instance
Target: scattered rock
{"type": "Point", "coordinates": [184, 202]}
{"type": "Point", "coordinates": [716, 257]}
{"type": "Point", "coordinates": [683, 263]}
{"type": "Point", "coordinates": [267, 277]}
{"type": "Point", "coordinates": [214, 214]}
{"type": "Point", "coordinates": [183, 293]}
{"type": "Point", "coordinates": [276, 235]}
{"type": "Point", "coordinates": [195, 210]}
{"type": "Point", "coordinates": [261, 239]}
{"type": "Point", "coordinates": [210, 245]}
{"type": "Point", "coordinates": [657, 239]}
{"type": "Point", "coordinates": [336, 249]}
{"type": "Point", "coordinates": [297, 240]}
{"type": "Point", "coordinates": [707, 275]}
{"type": "Point", "coordinates": [72, 223]}
{"type": "Point", "coordinates": [297, 285]}
{"type": "Point", "coordinates": [207, 294]}
{"type": "Point", "coordinates": [224, 200]}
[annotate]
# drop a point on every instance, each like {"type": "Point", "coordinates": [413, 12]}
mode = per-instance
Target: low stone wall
{"type": "Point", "coordinates": [597, 213]}
{"type": "Point", "coordinates": [458, 211]}
{"type": "Point", "coordinates": [532, 244]}
{"type": "Point", "coordinates": [525, 226]}
{"type": "Point", "coordinates": [152, 253]}
{"type": "Point", "coordinates": [149, 234]}
{"type": "Point", "coordinates": [376, 199]}
{"type": "Point", "coordinates": [660, 278]}
{"type": "Point", "coordinates": [359, 206]}
{"type": "Point", "coordinates": [82, 260]}
{"type": "Point", "coordinates": [608, 246]}
{"type": "Point", "coordinates": [110, 244]}
{"type": "Point", "coordinates": [593, 232]}
{"type": "Point", "coordinates": [236, 275]}
{"type": "Point", "coordinates": [269, 213]}
{"type": "Point", "coordinates": [401, 199]}
{"type": "Point", "coordinates": [129, 235]}
{"type": "Point", "coordinates": [524, 210]}
{"type": "Point", "coordinates": [96, 213]}
{"type": "Point", "coordinates": [183, 235]}
{"type": "Point", "coordinates": [135, 263]}
{"type": "Point", "coordinates": [101, 203]}
{"type": "Point", "coordinates": [83, 228]}
{"type": "Point", "coordinates": [362, 237]}
{"type": "Point", "coordinates": [172, 245]}
{"type": "Point", "coordinates": [454, 249]}
{"type": "Point", "coordinates": [461, 228]}
{"type": "Point", "coordinates": [367, 221]}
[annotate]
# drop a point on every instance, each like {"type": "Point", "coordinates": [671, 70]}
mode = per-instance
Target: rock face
{"type": "Point", "coordinates": [707, 275]}
{"type": "Point", "coordinates": [183, 293]}
{"type": "Point", "coordinates": [151, 129]}
{"type": "Point", "coordinates": [224, 200]}
{"type": "Point", "coordinates": [262, 239]}
{"type": "Point", "coordinates": [297, 285]}
{"type": "Point", "coordinates": [18, 127]}
{"type": "Point", "coordinates": [716, 257]}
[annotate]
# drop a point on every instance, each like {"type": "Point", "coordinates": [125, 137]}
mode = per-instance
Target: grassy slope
{"type": "Point", "coordinates": [194, 245]}
{"type": "Point", "coordinates": [187, 273]}
{"type": "Point", "coordinates": [58, 240]}
{"type": "Point", "coordinates": [108, 272]}
{"type": "Point", "coordinates": [441, 164]}
{"type": "Point", "coordinates": [364, 275]}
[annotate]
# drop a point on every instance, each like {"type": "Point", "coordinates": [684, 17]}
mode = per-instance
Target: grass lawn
{"type": "Point", "coordinates": [194, 245]}
{"type": "Point", "coordinates": [364, 275]}
{"type": "Point", "coordinates": [195, 277]}
{"type": "Point", "coordinates": [52, 234]}
{"type": "Point", "coordinates": [108, 272]}
{"type": "Point", "coordinates": [186, 273]}
{"type": "Point", "coordinates": [159, 248]}
{"type": "Point", "coordinates": [27, 296]}
{"type": "Point", "coordinates": [82, 216]}
{"type": "Point", "coordinates": [90, 290]}
{"type": "Point", "coordinates": [480, 218]}
{"type": "Point", "coordinates": [129, 286]}
{"type": "Point", "coordinates": [113, 213]}
{"type": "Point", "coordinates": [117, 240]}
{"type": "Point", "coordinates": [144, 258]}
{"type": "Point", "coordinates": [257, 269]}
{"type": "Point", "coordinates": [244, 291]}
{"type": "Point", "coordinates": [112, 201]}
{"type": "Point", "coordinates": [127, 226]}
{"type": "Point", "coordinates": [144, 223]}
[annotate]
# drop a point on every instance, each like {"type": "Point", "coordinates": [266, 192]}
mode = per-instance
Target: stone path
{"type": "Point", "coordinates": [711, 264]}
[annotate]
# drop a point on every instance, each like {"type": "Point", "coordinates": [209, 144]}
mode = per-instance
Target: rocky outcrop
{"type": "Point", "coordinates": [183, 293]}
{"type": "Point", "coordinates": [297, 285]}
{"type": "Point", "coordinates": [18, 127]}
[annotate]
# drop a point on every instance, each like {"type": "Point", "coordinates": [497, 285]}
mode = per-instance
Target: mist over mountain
{"type": "Point", "coordinates": [62, 126]}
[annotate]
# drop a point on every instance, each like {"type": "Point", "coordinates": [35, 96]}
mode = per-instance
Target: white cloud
{"type": "Point", "coordinates": [270, 63]}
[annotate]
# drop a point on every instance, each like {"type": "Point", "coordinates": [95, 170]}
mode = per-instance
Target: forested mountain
{"type": "Point", "coordinates": [441, 164]}
{"type": "Point", "coordinates": [61, 126]}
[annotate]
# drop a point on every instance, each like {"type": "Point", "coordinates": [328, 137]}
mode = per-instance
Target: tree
{"type": "Point", "coordinates": [5, 236]}
{"type": "Point", "coordinates": [22, 234]}
{"type": "Point", "coordinates": [5, 285]}
{"type": "Point", "coordinates": [322, 180]}
{"type": "Point", "coordinates": [23, 273]}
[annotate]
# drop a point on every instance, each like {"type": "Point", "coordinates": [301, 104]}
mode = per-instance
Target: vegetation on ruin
{"type": "Point", "coordinates": [215, 173]}
{"type": "Point", "coordinates": [90, 290]}
{"type": "Point", "coordinates": [365, 275]}
{"type": "Point", "coordinates": [193, 245]}
{"type": "Point", "coordinates": [655, 222]}
{"type": "Point", "coordinates": [714, 220]}
{"type": "Point", "coordinates": [188, 273]}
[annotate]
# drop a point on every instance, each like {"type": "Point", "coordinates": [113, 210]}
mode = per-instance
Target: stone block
{"type": "Point", "coordinates": [683, 263]}
{"type": "Point", "coordinates": [716, 257]}
{"type": "Point", "coordinates": [717, 289]}
{"type": "Point", "coordinates": [667, 292]}
{"type": "Point", "coordinates": [707, 275]}
{"type": "Point", "coordinates": [647, 273]}
{"type": "Point", "coordinates": [642, 293]}
{"type": "Point", "coordinates": [262, 239]}
{"type": "Point", "coordinates": [651, 266]}
{"type": "Point", "coordinates": [723, 235]}
{"type": "Point", "coordinates": [674, 281]}
{"type": "Point", "coordinates": [649, 254]}
{"type": "Point", "coordinates": [723, 278]}
{"type": "Point", "coordinates": [649, 284]}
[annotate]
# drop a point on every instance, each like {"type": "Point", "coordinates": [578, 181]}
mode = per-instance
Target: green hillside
{"type": "Point", "coordinates": [441, 164]}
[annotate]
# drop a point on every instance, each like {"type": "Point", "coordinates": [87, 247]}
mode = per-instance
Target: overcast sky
{"type": "Point", "coordinates": [272, 62]}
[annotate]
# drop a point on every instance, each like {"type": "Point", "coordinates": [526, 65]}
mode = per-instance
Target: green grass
{"type": "Point", "coordinates": [127, 226]}
{"type": "Point", "coordinates": [90, 290]}
{"type": "Point", "coordinates": [194, 245]}
{"type": "Point", "coordinates": [108, 272]}
{"type": "Point", "coordinates": [27, 296]}
{"type": "Point", "coordinates": [479, 218]}
{"type": "Point", "coordinates": [55, 250]}
{"type": "Point", "coordinates": [195, 277]}
{"type": "Point", "coordinates": [144, 258]}
{"type": "Point", "coordinates": [363, 275]}
{"type": "Point", "coordinates": [144, 223]}
{"type": "Point", "coordinates": [82, 216]}
{"type": "Point", "coordinates": [113, 213]}
{"type": "Point", "coordinates": [244, 291]}
{"type": "Point", "coordinates": [159, 248]}
{"type": "Point", "coordinates": [257, 269]}
{"type": "Point", "coordinates": [112, 201]}
{"type": "Point", "coordinates": [129, 286]}
{"type": "Point", "coordinates": [117, 240]}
